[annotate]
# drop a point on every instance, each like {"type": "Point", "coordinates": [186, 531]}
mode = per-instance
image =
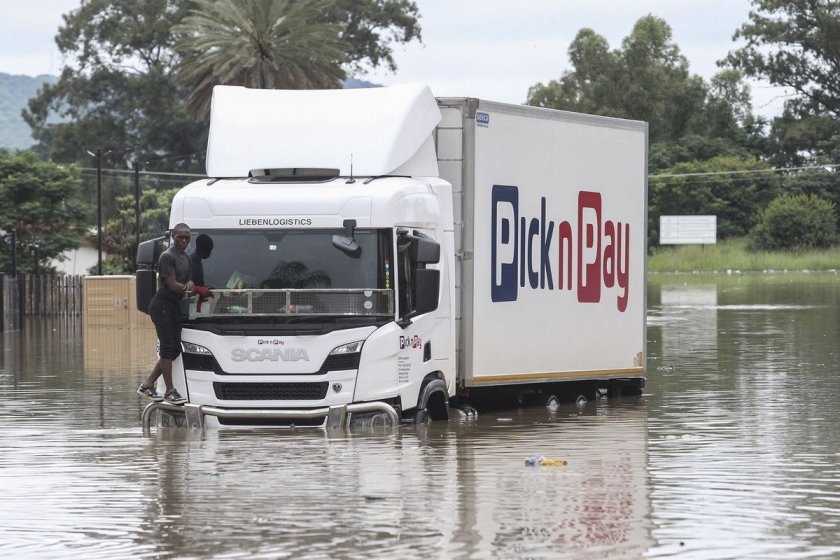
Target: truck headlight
{"type": "Point", "coordinates": [191, 348]}
{"type": "Point", "coordinates": [349, 348]}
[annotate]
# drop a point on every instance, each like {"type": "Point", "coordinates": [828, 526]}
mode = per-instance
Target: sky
{"type": "Point", "coordinates": [491, 49]}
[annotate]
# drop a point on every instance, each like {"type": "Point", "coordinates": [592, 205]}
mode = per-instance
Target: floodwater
{"type": "Point", "coordinates": [732, 452]}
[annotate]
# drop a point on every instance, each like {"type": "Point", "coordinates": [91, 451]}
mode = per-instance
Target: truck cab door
{"type": "Point", "coordinates": [425, 332]}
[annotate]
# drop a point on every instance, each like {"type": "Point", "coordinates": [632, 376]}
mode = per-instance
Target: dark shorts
{"type": "Point", "coordinates": [166, 315]}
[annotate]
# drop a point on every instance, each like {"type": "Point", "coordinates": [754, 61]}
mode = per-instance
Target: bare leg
{"type": "Point", "coordinates": [152, 379]}
{"type": "Point", "coordinates": [166, 370]}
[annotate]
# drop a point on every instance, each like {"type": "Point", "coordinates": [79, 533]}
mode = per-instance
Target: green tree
{"type": "Point", "coordinates": [267, 44]}
{"type": "Point", "coordinates": [371, 27]}
{"type": "Point", "coordinates": [655, 84]}
{"type": "Point", "coordinates": [40, 201]}
{"type": "Point", "coordinates": [822, 177]}
{"type": "Point", "coordinates": [118, 233]}
{"type": "Point", "coordinates": [803, 221]}
{"type": "Point", "coordinates": [690, 148]}
{"type": "Point", "coordinates": [796, 140]}
{"type": "Point", "coordinates": [118, 88]}
{"type": "Point", "coordinates": [589, 87]}
{"type": "Point", "coordinates": [794, 43]}
{"type": "Point", "coordinates": [648, 79]}
{"type": "Point", "coordinates": [735, 189]}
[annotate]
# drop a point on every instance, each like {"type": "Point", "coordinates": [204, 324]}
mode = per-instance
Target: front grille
{"type": "Point", "coordinates": [271, 391]}
{"type": "Point", "coordinates": [335, 362]}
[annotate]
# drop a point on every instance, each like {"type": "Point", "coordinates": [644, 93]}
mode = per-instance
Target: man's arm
{"type": "Point", "coordinates": [176, 287]}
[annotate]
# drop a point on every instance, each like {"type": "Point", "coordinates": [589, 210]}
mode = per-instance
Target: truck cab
{"type": "Point", "coordinates": [316, 274]}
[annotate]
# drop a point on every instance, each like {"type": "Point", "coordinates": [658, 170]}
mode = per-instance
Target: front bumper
{"type": "Point", "coordinates": [338, 416]}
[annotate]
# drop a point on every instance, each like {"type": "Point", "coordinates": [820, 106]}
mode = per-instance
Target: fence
{"type": "Point", "coordinates": [38, 295]}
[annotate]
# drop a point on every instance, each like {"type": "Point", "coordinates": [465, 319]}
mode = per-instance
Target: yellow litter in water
{"type": "Point", "coordinates": [538, 461]}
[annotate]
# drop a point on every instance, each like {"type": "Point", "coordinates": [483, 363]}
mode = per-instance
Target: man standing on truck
{"type": "Point", "coordinates": [165, 310]}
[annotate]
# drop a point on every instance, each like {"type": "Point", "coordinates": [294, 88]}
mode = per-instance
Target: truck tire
{"type": "Point", "coordinates": [433, 403]}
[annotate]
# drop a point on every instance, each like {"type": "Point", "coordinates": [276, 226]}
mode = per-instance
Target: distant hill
{"type": "Point", "coordinates": [15, 91]}
{"type": "Point", "coordinates": [353, 83]}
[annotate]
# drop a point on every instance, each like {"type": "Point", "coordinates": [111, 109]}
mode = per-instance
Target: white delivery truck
{"type": "Point", "coordinates": [380, 254]}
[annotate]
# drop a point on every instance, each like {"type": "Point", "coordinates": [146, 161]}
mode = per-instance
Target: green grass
{"type": "Point", "coordinates": [734, 255]}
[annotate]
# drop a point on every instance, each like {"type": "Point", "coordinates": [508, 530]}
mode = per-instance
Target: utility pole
{"type": "Point", "coordinates": [136, 206]}
{"type": "Point", "coordinates": [14, 253]}
{"type": "Point", "coordinates": [99, 210]}
{"type": "Point", "coordinates": [98, 155]}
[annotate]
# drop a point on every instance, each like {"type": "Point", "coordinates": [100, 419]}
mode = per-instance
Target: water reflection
{"type": "Point", "coordinates": [78, 479]}
{"type": "Point", "coordinates": [115, 349]}
{"type": "Point", "coordinates": [743, 449]}
{"type": "Point", "coordinates": [431, 491]}
{"type": "Point", "coordinates": [733, 452]}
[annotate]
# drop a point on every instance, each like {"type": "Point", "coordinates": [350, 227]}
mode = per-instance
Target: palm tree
{"type": "Point", "coordinates": [269, 44]}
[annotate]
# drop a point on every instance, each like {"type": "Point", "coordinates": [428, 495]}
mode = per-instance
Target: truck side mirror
{"type": "Point", "coordinates": [148, 253]}
{"type": "Point", "coordinates": [428, 290]}
{"type": "Point", "coordinates": [427, 250]}
{"type": "Point", "coordinates": [145, 288]}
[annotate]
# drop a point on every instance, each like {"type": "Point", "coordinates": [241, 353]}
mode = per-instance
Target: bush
{"type": "Point", "coordinates": [796, 222]}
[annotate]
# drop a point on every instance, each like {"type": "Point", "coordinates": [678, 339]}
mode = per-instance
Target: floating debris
{"type": "Point", "coordinates": [374, 498]}
{"type": "Point", "coordinates": [540, 461]}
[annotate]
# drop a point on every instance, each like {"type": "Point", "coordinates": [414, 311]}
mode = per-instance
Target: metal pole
{"type": "Point", "coordinates": [21, 288]}
{"type": "Point", "coordinates": [136, 207]}
{"type": "Point", "coordinates": [14, 253]}
{"type": "Point", "coordinates": [36, 284]}
{"type": "Point", "coordinates": [99, 209]}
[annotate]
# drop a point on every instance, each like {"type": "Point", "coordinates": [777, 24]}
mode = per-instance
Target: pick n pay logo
{"type": "Point", "coordinates": [524, 254]}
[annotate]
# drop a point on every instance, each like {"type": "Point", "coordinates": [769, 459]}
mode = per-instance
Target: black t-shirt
{"type": "Point", "coordinates": [172, 262]}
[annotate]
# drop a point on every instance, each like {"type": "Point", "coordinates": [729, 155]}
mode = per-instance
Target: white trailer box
{"type": "Point", "coordinates": [384, 252]}
{"type": "Point", "coordinates": [551, 208]}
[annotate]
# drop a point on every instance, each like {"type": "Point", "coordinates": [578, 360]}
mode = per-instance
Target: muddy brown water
{"type": "Point", "coordinates": [732, 452]}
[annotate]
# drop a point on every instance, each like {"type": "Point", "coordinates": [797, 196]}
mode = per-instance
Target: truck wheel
{"type": "Point", "coordinates": [433, 401]}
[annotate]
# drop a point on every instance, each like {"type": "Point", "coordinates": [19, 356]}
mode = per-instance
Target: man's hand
{"type": "Point", "coordinates": [203, 292]}
{"type": "Point", "coordinates": [189, 287]}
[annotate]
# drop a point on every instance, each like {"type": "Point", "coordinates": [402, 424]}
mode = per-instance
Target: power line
{"type": "Point", "coordinates": [825, 166]}
{"type": "Point", "coordinates": [131, 172]}
{"type": "Point", "coordinates": [768, 170]}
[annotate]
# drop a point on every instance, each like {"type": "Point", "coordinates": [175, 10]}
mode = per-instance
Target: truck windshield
{"type": "Point", "coordinates": [274, 274]}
